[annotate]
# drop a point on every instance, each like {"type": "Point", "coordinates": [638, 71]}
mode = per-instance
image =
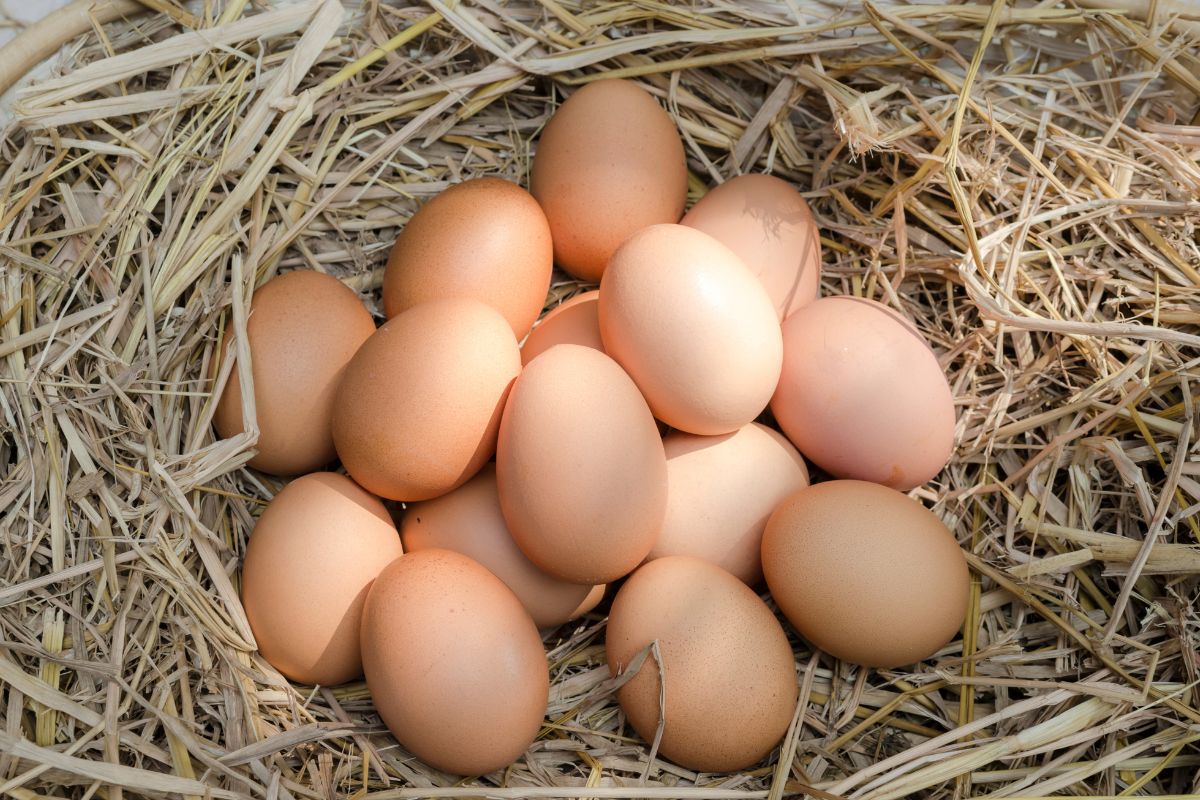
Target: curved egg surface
{"type": "Point", "coordinates": [729, 670]}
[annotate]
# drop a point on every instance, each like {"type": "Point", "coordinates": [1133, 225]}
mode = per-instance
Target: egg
{"type": "Point", "coordinates": [608, 163]}
{"type": "Point", "coordinates": [468, 520]}
{"type": "Point", "coordinates": [310, 560]}
{"type": "Point", "coordinates": [729, 671]}
{"type": "Point", "coordinates": [720, 492]}
{"type": "Point", "coordinates": [580, 467]}
{"type": "Point", "coordinates": [770, 227]}
{"type": "Point", "coordinates": [693, 327]}
{"type": "Point", "coordinates": [573, 322]}
{"type": "Point", "coordinates": [865, 573]}
{"type": "Point", "coordinates": [862, 395]}
{"type": "Point", "coordinates": [419, 405]}
{"type": "Point", "coordinates": [485, 239]}
{"type": "Point", "coordinates": [454, 664]}
{"type": "Point", "coordinates": [304, 327]}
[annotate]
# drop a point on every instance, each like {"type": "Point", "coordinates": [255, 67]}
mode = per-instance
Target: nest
{"type": "Point", "coordinates": [1019, 180]}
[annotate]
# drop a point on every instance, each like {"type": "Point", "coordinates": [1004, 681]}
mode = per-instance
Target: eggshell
{"type": "Point", "coordinates": [862, 395]}
{"type": "Point", "coordinates": [454, 664]}
{"type": "Point", "coordinates": [574, 322]}
{"type": "Point", "coordinates": [693, 327]}
{"type": "Point", "coordinates": [580, 467]}
{"type": "Point", "coordinates": [769, 226]}
{"type": "Point", "coordinates": [485, 239]}
{"type": "Point", "coordinates": [865, 573]}
{"type": "Point", "coordinates": [730, 674]}
{"type": "Point", "coordinates": [303, 329]}
{"type": "Point", "coordinates": [419, 406]}
{"type": "Point", "coordinates": [608, 163]}
{"type": "Point", "coordinates": [309, 563]}
{"type": "Point", "coordinates": [468, 521]}
{"type": "Point", "coordinates": [720, 492]}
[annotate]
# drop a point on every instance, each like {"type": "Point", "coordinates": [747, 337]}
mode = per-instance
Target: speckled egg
{"type": "Point", "coordinates": [693, 327]}
{"type": "Point", "coordinates": [580, 467]}
{"type": "Point", "coordinates": [310, 560]}
{"type": "Point", "coordinates": [485, 239]}
{"type": "Point", "coordinates": [730, 675]}
{"type": "Point", "coordinates": [454, 664]}
{"type": "Point", "coordinates": [608, 163]}
{"type": "Point", "coordinates": [865, 573]}
{"type": "Point", "coordinates": [720, 492]}
{"type": "Point", "coordinates": [770, 227]}
{"type": "Point", "coordinates": [419, 406]}
{"type": "Point", "coordinates": [304, 327]}
{"type": "Point", "coordinates": [862, 395]}
{"type": "Point", "coordinates": [468, 520]}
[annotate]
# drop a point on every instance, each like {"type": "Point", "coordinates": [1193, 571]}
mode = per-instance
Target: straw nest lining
{"type": "Point", "coordinates": [1021, 182]}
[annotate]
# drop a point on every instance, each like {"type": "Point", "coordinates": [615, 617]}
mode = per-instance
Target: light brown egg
{"type": "Point", "coordinates": [574, 322]}
{"type": "Point", "coordinates": [485, 239]}
{"type": "Point", "coordinates": [730, 674]}
{"type": "Point", "coordinates": [865, 573]}
{"type": "Point", "coordinates": [454, 664]}
{"type": "Point", "coordinates": [720, 492]}
{"type": "Point", "coordinates": [580, 467]}
{"type": "Point", "coordinates": [309, 563]}
{"type": "Point", "coordinates": [693, 327]}
{"type": "Point", "coordinates": [770, 227]}
{"type": "Point", "coordinates": [608, 163]}
{"type": "Point", "coordinates": [304, 327]}
{"type": "Point", "coordinates": [862, 395]}
{"type": "Point", "coordinates": [419, 406]}
{"type": "Point", "coordinates": [469, 521]}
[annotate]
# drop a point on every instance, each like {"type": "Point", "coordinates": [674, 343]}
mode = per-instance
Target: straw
{"type": "Point", "coordinates": [1018, 180]}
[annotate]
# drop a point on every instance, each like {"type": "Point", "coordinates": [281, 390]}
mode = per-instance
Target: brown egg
{"type": "Point", "coordinates": [862, 395]}
{"type": "Point", "coordinates": [469, 521]}
{"type": "Point", "coordinates": [580, 467]}
{"type": "Point", "coordinates": [693, 327]}
{"type": "Point", "coordinates": [303, 328]}
{"type": "Point", "coordinates": [454, 664]}
{"type": "Point", "coordinates": [730, 675]}
{"type": "Point", "coordinates": [865, 573]}
{"type": "Point", "coordinates": [484, 239]}
{"type": "Point", "coordinates": [720, 491]}
{"type": "Point", "coordinates": [770, 227]}
{"type": "Point", "coordinates": [573, 322]}
{"type": "Point", "coordinates": [608, 163]}
{"type": "Point", "coordinates": [309, 563]}
{"type": "Point", "coordinates": [419, 405]}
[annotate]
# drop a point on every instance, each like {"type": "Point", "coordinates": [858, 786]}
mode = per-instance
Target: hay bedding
{"type": "Point", "coordinates": [1020, 181]}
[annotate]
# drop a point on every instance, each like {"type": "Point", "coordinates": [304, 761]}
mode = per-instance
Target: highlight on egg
{"type": "Point", "coordinates": [693, 327]}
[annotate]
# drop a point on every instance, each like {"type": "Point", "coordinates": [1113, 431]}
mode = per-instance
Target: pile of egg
{"type": "Point", "coordinates": [625, 445]}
